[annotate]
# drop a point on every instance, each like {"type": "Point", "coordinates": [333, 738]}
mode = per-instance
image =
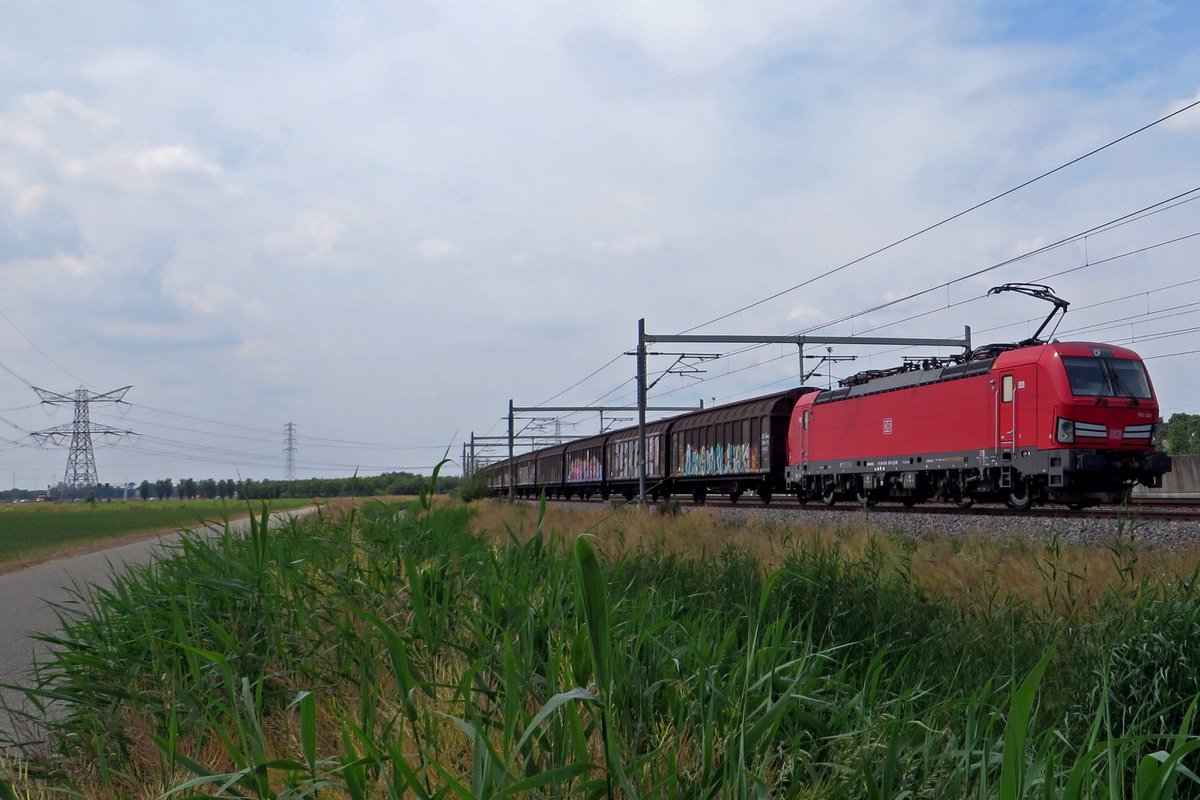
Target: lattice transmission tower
{"type": "Point", "coordinates": [289, 450]}
{"type": "Point", "coordinates": [81, 460]}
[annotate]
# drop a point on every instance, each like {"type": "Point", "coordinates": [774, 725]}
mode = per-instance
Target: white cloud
{"type": "Point", "coordinates": [632, 245]}
{"type": "Point", "coordinates": [314, 235]}
{"type": "Point", "coordinates": [26, 196]}
{"type": "Point", "coordinates": [156, 333]}
{"type": "Point", "coordinates": [192, 287]}
{"type": "Point", "coordinates": [805, 314]}
{"type": "Point", "coordinates": [748, 148]}
{"type": "Point", "coordinates": [1187, 121]}
{"type": "Point", "coordinates": [437, 249]}
{"type": "Point", "coordinates": [1023, 246]}
{"type": "Point", "coordinates": [46, 106]}
{"type": "Point", "coordinates": [172, 158]}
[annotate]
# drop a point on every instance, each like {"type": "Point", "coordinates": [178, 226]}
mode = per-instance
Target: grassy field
{"type": "Point", "coordinates": [30, 530]}
{"type": "Point", "coordinates": [489, 651]}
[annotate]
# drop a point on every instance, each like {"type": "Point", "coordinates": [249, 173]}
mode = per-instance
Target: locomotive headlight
{"type": "Point", "coordinates": [1066, 431]}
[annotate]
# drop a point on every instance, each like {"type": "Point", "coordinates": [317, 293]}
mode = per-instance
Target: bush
{"type": "Point", "coordinates": [472, 487]}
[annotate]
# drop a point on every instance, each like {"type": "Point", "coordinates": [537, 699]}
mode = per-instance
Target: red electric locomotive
{"type": "Point", "coordinates": [1035, 422]}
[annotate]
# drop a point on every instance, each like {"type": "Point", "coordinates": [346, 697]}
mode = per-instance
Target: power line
{"type": "Point", "coordinates": [1171, 355]}
{"type": "Point", "coordinates": [1119, 221]}
{"type": "Point", "coordinates": [1140, 213]}
{"type": "Point", "coordinates": [949, 219]}
{"type": "Point", "coordinates": [43, 353]}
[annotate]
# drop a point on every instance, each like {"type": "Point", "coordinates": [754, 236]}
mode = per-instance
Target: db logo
{"type": "Point", "coordinates": [1114, 433]}
{"type": "Point", "coordinates": [887, 426]}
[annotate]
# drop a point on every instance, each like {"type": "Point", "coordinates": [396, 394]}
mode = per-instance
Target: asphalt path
{"type": "Point", "coordinates": [28, 599]}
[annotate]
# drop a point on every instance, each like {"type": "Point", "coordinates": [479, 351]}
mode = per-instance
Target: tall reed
{"type": "Point", "coordinates": [391, 652]}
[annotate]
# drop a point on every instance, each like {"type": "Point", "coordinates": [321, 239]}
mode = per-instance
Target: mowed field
{"type": "Point", "coordinates": [33, 531]}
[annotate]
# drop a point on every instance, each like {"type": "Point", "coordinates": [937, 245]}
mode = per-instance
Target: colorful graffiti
{"type": "Point", "coordinates": [584, 467]}
{"type": "Point", "coordinates": [721, 459]}
{"type": "Point", "coordinates": [623, 459]}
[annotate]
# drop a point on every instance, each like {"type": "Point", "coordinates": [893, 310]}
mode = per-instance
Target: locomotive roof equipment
{"type": "Point", "coordinates": [1042, 293]}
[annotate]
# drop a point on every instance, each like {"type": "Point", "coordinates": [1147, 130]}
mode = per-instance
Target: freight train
{"type": "Point", "coordinates": [1026, 423]}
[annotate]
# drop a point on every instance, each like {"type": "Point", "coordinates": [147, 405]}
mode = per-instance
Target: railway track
{"type": "Point", "coordinates": [1146, 511]}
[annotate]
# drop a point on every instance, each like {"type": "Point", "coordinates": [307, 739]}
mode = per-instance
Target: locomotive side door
{"type": "Point", "coordinates": [1006, 416]}
{"type": "Point", "coordinates": [806, 436]}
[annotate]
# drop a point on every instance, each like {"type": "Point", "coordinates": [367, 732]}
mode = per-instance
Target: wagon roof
{"type": "Point", "coordinates": [584, 444]}
{"type": "Point", "coordinates": [778, 403]}
{"type": "Point", "coordinates": [556, 450]}
{"type": "Point", "coordinates": [652, 429]}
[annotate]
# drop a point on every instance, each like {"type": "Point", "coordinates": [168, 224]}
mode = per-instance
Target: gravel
{"type": "Point", "coordinates": [1079, 531]}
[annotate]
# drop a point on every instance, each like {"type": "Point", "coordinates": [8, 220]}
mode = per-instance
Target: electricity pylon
{"type": "Point", "coordinates": [81, 461]}
{"type": "Point", "coordinates": [289, 450]}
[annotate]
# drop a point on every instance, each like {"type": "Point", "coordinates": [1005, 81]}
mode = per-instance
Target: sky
{"type": "Point", "coordinates": [382, 221]}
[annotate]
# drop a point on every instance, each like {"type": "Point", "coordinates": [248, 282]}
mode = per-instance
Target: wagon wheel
{"type": "Point", "coordinates": [764, 494]}
{"type": "Point", "coordinates": [698, 495]}
{"type": "Point", "coordinates": [734, 495]}
{"type": "Point", "coordinates": [1019, 497]}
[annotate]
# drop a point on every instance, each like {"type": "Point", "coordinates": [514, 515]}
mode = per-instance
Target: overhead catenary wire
{"type": "Point", "coordinates": [900, 241]}
{"type": "Point", "coordinates": [973, 273]}
{"type": "Point", "coordinates": [945, 221]}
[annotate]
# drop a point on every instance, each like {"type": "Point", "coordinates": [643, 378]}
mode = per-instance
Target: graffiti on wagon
{"type": "Point", "coordinates": [719, 459]}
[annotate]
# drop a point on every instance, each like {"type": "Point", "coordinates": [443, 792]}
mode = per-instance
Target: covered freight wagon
{"type": "Point", "coordinates": [733, 448]}
{"type": "Point", "coordinates": [622, 457]}
{"type": "Point", "coordinates": [583, 467]}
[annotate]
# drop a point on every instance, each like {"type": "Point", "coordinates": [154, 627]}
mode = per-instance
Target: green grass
{"type": "Point", "coordinates": [33, 529]}
{"type": "Point", "coordinates": [393, 654]}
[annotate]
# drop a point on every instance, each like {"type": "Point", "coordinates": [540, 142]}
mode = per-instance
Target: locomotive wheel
{"type": "Point", "coordinates": [1019, 498]}
{"type": "Point", "coordinates": [829, 497]}
{"type": "Point", "coordinates": [866, 498]}
{"type": "Point", "coordinates": [965, 502]}
{"type": "Point", "coordinates": [801, 497]}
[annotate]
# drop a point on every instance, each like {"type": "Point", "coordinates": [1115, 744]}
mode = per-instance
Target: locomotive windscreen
{"type": "Point", "coordinates": [1107, 377]}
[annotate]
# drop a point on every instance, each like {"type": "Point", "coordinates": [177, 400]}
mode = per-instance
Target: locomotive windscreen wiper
{"type": "Point", "coordinates": [1042, 293]}
{"type": "Point", "coordinates": [1118, 383]}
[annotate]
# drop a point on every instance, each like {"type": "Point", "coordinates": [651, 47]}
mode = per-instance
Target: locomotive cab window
{"type": "Point", "coordinates": [1107, 377]}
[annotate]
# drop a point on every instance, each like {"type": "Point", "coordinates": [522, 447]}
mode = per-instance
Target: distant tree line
{"type": "Point", "coordinates": [1180, 435]}
{"type": "Point", "coordinates": [249, 489]}
{"type": "Point", "coordinates": [101, 491]}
